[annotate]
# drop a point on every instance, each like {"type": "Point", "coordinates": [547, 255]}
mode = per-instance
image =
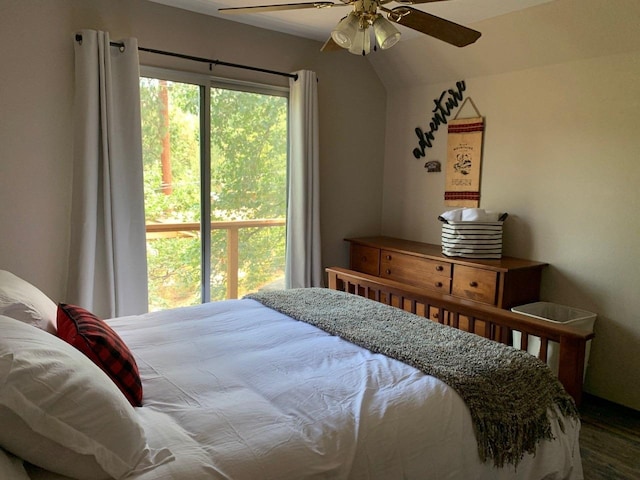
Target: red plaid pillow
{"type": "Point", "coordinates": [103, 346]}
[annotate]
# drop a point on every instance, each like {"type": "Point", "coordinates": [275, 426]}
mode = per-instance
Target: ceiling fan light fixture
{"type": "Point", "coordinates": [345, 32]}
{"type": "Point", "coordinates": [386, 34]}
{"type": "Point", "coordinates": [361, 42]}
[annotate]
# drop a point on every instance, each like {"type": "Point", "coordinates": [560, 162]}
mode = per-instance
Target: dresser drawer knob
{"type": "Point", "coordinates": [388, 271]}
{"type": "Point", "coordinates": [436, 316]}
{"type": "Point", "coordinates": [388, 257]}
{"type": "Point", "coordinates": [439, 268]}
{"type": "Point", "coordinates": [439, 284]}
{"type": "Point", "coordinates": [473, 284]}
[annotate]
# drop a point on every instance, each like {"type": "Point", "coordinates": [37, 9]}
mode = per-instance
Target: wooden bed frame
{"type": "Point", "coordinates": [485, 320]}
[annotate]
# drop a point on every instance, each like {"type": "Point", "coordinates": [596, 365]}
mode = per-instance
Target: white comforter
{"type": "Point", "coordinates": [238, 391]}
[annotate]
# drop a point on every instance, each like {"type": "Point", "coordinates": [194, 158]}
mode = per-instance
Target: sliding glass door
{"type": "Point", "coordinates": [215, 158]}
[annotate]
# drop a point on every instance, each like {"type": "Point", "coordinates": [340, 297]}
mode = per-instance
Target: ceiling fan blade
{"type": "Point", "coordinates": [275, 8]}
{"type": "Point", "coordinates": [331, 46]}
{"type": "Point", "coordinates": [433, 26]}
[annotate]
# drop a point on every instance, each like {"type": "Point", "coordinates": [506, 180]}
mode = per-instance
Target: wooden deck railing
{"type": "Point", "coordinates": [233, 227]}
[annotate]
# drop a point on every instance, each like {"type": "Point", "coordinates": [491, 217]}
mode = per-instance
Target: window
{"type": "Point", "coordinates": [215, 163]}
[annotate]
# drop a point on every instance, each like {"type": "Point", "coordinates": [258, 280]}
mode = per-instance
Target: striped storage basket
{"type": "Point", "coordinates": [472, 239]}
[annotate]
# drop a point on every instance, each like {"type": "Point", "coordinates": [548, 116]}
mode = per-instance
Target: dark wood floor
{"type": "Point", "coordinates": [609, 440]}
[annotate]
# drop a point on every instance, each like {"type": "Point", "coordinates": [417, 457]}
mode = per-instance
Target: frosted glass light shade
{"type": "Point", "coordinates": [345, 31]}
{"type": "Point", "coordinates": [386, 34]}
{"type": "Point", "coordinates": [361, 42]}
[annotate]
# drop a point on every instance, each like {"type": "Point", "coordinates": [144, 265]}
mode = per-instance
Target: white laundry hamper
{"type": "Point", "coordinates": [555, 313]}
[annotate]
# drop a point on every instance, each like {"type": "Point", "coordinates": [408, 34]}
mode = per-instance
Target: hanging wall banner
{"type": "Point", "coordinates": [464, 159]}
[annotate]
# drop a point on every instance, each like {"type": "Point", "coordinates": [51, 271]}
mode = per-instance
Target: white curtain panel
{"type": "Point", "coordinates": [108, 270]}
{"type": "Point", "coordinates": [303, 257]}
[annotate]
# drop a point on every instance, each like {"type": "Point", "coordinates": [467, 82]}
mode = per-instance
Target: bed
{"type": "Point", "coordinates": [263, 388]}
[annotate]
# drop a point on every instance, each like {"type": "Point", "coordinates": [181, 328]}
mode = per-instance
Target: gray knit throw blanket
{"type": "Point", "coordinates": [509, 393]}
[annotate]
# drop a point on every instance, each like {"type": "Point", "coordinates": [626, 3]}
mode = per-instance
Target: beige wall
{"type": "Point", "coordinates": [36, 96]}
{"type": "Point", "coordinates": [560, 155]}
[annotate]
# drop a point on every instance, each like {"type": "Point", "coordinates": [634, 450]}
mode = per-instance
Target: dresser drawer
{"type": "Point", "coordinates": [365, 259]}
{"type": "Point", "coordinates": [475, 284]}
{"type": "Point", "coordinates": [420, 272]}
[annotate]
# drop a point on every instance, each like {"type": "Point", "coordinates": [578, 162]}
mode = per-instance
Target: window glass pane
{"type": "Point", "coordinates": [245, 160]}
{"type": "Point", "coordinates": [171, 153]}
{"type": "Point", "coordinates": [248, 189]}
{"type": "Point", "coordinates": [261, 259]}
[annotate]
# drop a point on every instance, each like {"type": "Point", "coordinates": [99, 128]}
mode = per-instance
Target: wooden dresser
{"type": "Point", "coordinates": [504, 283]}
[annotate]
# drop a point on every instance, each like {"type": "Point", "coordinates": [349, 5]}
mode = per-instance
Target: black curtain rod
{"type": "Point", "coordinates": [211, 62]}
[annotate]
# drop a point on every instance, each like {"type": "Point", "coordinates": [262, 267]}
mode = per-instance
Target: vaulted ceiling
{"type": "Point", "coordinates": [516, 34]}
{"type": "Point", "coordinates": [318, 23]}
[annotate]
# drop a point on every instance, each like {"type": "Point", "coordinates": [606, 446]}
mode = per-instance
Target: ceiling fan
{"type": "Point", "coordinates": [352, 32]}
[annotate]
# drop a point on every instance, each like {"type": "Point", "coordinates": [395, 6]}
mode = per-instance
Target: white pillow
{"type": "Point", "coordinates": [22, 301]}
{"type": "Point", "coordinates": [63, 413]}
{"type": "Point", "coordinates": [11, 467]}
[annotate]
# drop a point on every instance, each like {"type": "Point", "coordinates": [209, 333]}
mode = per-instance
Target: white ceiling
{"type": "Point", "coordinates": [318, 23]}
